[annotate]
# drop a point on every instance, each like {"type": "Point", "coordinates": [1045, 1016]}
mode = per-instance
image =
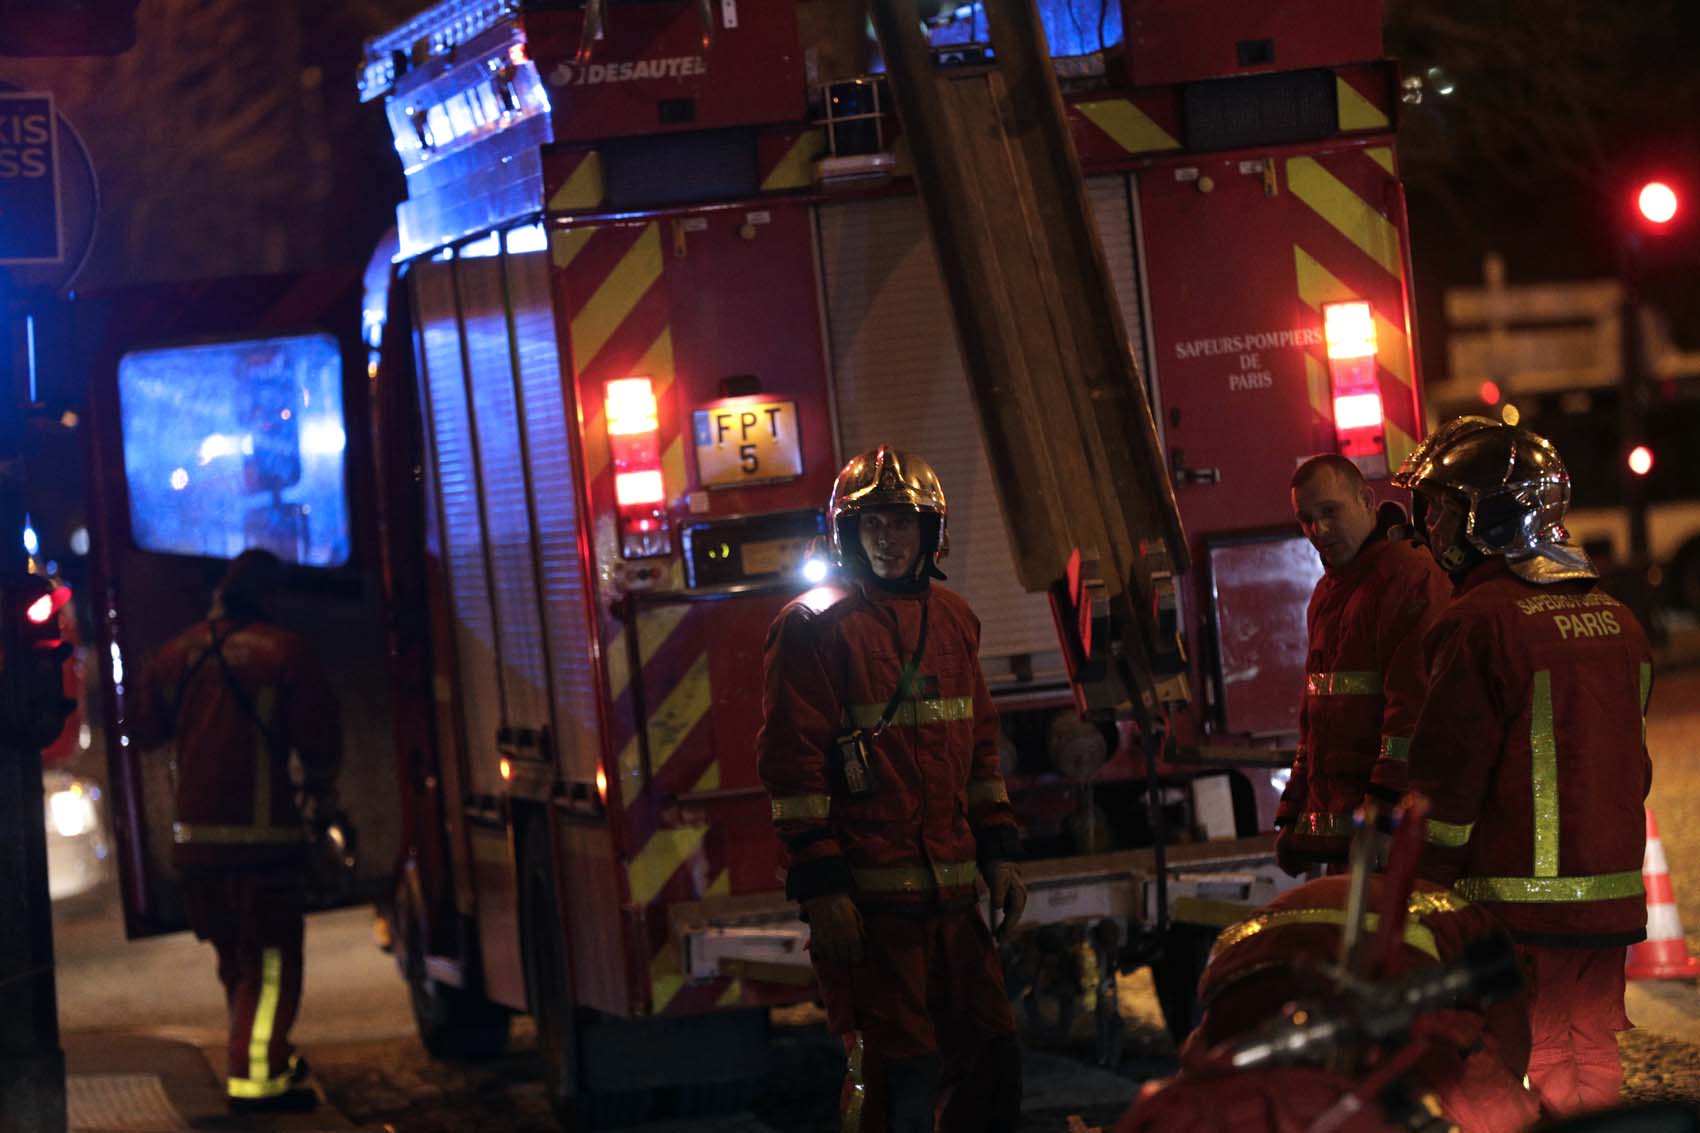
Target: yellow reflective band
{"type": "Point", "coordinates": [265, 1015]}
{"type": "Point", "coordinates": [258, 1087]}
{"type": "Point", "coordinates": [1323, 824]}
{"type": "Point", "coordinates": [915, 879]}
{"type": "Point", "coordinates": [1451, 835]}
{"type": "Point", "coordinates": [858, 1089]}
{"type": "Point", "coordinates": [982, 792]}
{"type": "Point", "coordinates": [913, 712]}
{"type": "Point", "coordinates": [1396, 748]}
{"type": "Point", "coordinates": [1599, 887]}
{"type": "Point", "coordinates": [802, 806]}
{"type": "Point", "coordinates": [187, 833]}
{"type": "Point", "coordinates": [1416, 935]}
{"type": "Point", "coordinates": [1343, 684]}
{"type": "Point", "coordinates": [1431, 904]}
{"type": "Point", "coordinates": [1543, 758]}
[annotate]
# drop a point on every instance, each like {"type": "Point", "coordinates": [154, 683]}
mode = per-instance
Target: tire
{"type": "Point", "coordinates": [1186, 950]}
{"type": "Point", "coordinates": [453, 1023]}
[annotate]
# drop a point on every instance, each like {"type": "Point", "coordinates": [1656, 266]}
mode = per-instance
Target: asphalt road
{"type": "Point", "coordinates": [356, 1027]}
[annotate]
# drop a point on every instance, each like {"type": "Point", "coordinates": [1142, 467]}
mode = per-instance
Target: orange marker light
{"type": "Point", "coordinates": [630, 403]}
{"type": "Point", "coordinates": [1348, 330]}
{"type": "Point", "coordinates": [602, 785]}
{"type": "Point", "coordinates": [506, 768]}
{"type": "Point", "coordinates": [40, 610]}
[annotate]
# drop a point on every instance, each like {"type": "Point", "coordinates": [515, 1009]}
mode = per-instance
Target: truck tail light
{"type": "Point", "coordinates": [634, 442]}
{"type": "Point", "coordinates": [1348, 332]}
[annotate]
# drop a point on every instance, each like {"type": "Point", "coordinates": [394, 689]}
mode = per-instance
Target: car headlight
{"type": "Point", "coordinates": [71, 811]}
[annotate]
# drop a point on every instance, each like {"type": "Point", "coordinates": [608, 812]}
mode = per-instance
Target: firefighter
{"type": "Point", "coordinates": [1378, 594]}
{"type": "Point", "coordinates": [1473, 1060]}
{"type": "Point", "coordinates": [1532, 743]}
{"type": "Point", "coordinates": [879, 751]}
{"type": "Point", "coordinates": [237, 695]}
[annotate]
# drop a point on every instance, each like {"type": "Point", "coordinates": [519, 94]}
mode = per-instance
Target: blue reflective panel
{"type": "Point", "coordinates": [233, 445]}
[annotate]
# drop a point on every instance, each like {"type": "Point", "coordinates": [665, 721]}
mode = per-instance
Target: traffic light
{"type": "Point", "coordinates": [1657, 203]}
{"type": "Point", "coordinates": [33, 706]}
{"type": "Point", "coordinates": [67, 27]}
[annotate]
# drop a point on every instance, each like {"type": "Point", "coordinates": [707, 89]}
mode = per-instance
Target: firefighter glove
{"type": "Point", "coordinates": [835, 929]}
{"type": "Point", "coordinates": [1009, 896]}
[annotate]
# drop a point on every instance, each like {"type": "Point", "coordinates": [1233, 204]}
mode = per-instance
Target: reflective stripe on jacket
{"type": "Point", "coordinates": [1363, 687]}
{"type": "Point", "coordinates": [834, 657]}
{"type": "Point", "coordinates": [1532, 748]}
{"type": "Point", "coordinates": [235, 801]}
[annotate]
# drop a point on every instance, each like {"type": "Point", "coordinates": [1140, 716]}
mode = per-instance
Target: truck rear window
{"type": "Point", "coordinates": [231, 445]}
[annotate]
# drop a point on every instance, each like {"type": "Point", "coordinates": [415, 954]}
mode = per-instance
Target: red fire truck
{"type": "Point", "coordinates": [661, 268]}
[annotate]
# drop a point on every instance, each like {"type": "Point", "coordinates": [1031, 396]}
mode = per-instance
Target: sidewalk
{"type": "Point", "coordinates": [139, 1082]}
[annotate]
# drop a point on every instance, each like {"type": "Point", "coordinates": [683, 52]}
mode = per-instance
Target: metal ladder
{"type": "Point", "coordinates": [1062, 405]}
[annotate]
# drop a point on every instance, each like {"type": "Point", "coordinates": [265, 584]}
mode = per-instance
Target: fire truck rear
{"type": "Point", "coordinates": [662, 266]}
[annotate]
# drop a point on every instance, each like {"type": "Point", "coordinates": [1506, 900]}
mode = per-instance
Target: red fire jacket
{"type": "Point", "coordinates": [834, 657]}
{"type": "Point", "coordinates": [1279, 955]}
{"type": "Point", "coordinates": [1363, 687]}
{"type": "Point", "coordinates": [234, 731]}
{"type": "Point", "coordinates": [1532, 747]}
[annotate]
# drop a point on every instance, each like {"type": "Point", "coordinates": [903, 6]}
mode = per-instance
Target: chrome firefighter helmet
{"type": "Point", "coordinates": [1513, 488]}
{"type": "Point", "coordinates": [886, 477]}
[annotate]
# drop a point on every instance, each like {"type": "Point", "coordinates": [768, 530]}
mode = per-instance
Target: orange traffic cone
{"type": "Point", "coordinates": [1663, 955]}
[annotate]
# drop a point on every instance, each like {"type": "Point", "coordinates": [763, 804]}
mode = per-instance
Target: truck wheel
{"type": "Point", "coordinates": [1186, 949]}
{"type": "Point", "coordinates": [452, 1022]}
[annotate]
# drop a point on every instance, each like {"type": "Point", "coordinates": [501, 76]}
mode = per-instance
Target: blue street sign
{"type": "Point", "coordinates": [30, 229]}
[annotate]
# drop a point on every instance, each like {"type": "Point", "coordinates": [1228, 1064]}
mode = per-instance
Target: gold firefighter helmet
{"type": "Point", "coordinates": [884, 477]}
{"type": "Point", "coordinates": [1516, 491]}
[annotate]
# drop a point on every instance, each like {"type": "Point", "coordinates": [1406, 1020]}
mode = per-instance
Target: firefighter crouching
{"type": "Point", "coordinates": [1378, 595]}
{"type": "Point", "coordinates": [237, 694]}
{"type": "Point", "coordinates": [1531, 744]}
{"type": "Point", "coordinates": [879, 751]}
{"type": "Point", "coordinates": [1475, 1057]}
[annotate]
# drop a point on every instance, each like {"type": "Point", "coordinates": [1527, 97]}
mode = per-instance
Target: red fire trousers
{"type": "Point", "coordinates": [1575, 1012]}
{"type": "Point", "coordinates": [254, 919]}
{"type": "Point", "coordinates": [926, 1025]}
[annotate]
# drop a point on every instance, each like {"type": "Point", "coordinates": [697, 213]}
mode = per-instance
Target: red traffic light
{"type": "Point", "coordinates": [1657, 202]}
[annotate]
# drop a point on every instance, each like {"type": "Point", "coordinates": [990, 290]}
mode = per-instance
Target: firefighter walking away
{"type": "Point", "coordinates": [1532, 742]}
{"type": "Point", "coordinates": [237, 695]}
{"type": "Point", "coordinates": [879, 751]}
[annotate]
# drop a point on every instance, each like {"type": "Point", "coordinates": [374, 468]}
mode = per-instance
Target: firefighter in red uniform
{"type": "Point", "coordinates": [1476, 1056]}
{"type": "Point", "coordinates": [1532, 744]}
{"type": "Point", "coordinates": [879, 751]}
{"type": "Point", "coordinates": [237, 694]}
{"type": "Point", "coordinates": [1378, 595]}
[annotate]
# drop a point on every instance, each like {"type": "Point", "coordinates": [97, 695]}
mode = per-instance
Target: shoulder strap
{"type": "Point", "coordinates": [215, 651]}
{"type": "Point", "coordinates": [909, 670]}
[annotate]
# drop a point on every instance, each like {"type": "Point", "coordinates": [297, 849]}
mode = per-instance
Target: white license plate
{"type": "Point", "coordinates": [747, 441]}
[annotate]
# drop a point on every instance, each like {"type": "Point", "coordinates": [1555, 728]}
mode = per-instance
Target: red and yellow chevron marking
{"type": "Point", "coordinates": [1105, 129]}
{"type": "Point", "coordinates": [788, 162]}
{"type": "Point", "coordinates": [1356, 253]}
{"type": "Point", "coordinates": [617, 313]}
